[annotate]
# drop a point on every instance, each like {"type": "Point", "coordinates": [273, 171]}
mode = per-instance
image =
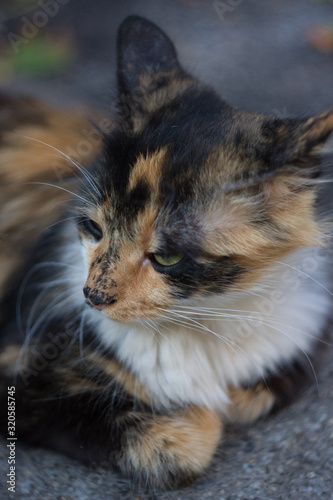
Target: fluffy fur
{"type": "Point", "coordinates": [174, 282]}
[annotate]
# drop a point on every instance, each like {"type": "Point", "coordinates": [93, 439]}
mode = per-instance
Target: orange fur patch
{"type": "Point", "coordinates": [147, 169]}
{"type": "Point", "coordinates": [139, 290]}
{"type": "Point", "coordinates": [249, 404]}
{"type": "Point", "coordinates": [255, 231]}
{"type": "Point", "coordinates": [187, 439]}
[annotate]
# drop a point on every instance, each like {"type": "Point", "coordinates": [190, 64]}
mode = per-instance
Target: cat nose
{"type": "Point", "coordinates": [97, 299]}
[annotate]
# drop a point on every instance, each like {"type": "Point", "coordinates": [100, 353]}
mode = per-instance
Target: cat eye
{"type": "Point", "coordinates": [167, 260]}
{"type": "Point", "coordinates": [91, 227]}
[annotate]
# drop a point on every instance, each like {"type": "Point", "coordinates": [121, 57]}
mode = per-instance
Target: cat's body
{"type": "Point", "coordinates": [195, 290]}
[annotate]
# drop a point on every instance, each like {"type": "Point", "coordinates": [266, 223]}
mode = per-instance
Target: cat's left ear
{"type": "Point", "coordinates": [275, 145]}
{"type": "Point", "coordinates": [297, 139]}
{"type": "Point", "coordinates": [147, 68]}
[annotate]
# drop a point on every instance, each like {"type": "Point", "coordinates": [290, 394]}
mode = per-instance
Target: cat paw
{"type": "Point", "coordinates": [166, 451]}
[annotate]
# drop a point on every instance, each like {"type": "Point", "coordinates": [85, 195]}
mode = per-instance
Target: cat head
{"type": "Point", "coordinates": [191, 197]}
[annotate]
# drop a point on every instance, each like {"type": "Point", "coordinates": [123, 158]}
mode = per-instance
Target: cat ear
{"type": "Point", "coordinates": [291, 146]}
{"type": "Point", "coordinates": [147, 64]}
{"type": "Point", "coordinates": [269, 205]}
{"type": "Point", "coordinates": [297, 140]}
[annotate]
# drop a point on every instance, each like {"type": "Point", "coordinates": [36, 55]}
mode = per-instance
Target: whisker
{"type": "Point", "coordinates": [55, 302]}
{"type": "Point", "coordinates": [81, 333]}
{"type": "Point", "coordinates": [145, 322]}
{"type": "Point", "coordinates": [62, 189]}
{"type": "Point", "coordinates": [307, 276]}
{"type": "Point", "coordinates": [25, 281]}
{"type": "Point", "coordinates": [83, 170]}
{"type": "Point", "coordinates": [27, 339]}
{"type": "Point", "coordinates": [210, 314]}
{"type": "Point", "coordinates": [64, 220]}
{"type": "Point", "coordinates": [154, 326]}
{"type": "Point", "coordinates": [46, 290]}
{"type": "Point", "coordinates": [208, 330]}
{"type": "Point", "coordinates": [270, 325]}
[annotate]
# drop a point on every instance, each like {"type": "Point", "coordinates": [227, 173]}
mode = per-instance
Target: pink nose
{"type": "Point", "coordinates": [97, 299]}
{"type": "Point", "coordinates": [100, 307]}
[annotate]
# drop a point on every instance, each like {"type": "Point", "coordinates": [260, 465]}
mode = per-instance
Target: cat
{"type": "Point", "coordinates": [163, 289]}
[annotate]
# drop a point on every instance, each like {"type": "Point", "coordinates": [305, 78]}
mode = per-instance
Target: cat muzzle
{"type": "Point", "coordinates": [97, 299]}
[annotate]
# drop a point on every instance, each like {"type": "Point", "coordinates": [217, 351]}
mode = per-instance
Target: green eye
{"type": "Point", "coordinates": [167, 260]}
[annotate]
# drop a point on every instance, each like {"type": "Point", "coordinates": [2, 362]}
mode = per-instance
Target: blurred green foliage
{"type": "Point", "coordinates": [43, 55]}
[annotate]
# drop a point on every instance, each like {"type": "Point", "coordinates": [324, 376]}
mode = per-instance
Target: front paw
{"type": "Point", "coordinates": [166, 451]}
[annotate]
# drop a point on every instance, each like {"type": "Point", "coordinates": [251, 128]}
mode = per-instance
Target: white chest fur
{"type": "Point", "coordinates": [227, 340]}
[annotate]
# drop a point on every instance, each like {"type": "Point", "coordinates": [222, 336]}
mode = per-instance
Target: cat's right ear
{"type": "Point", "coordinates": [147, 68]}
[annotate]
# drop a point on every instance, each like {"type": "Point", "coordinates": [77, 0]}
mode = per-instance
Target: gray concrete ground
{"type": "Point", "coordinates": [257, 56]}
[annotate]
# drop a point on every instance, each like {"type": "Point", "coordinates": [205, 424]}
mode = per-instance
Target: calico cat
{"type": "Point", "coordinates": [165, 287]}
